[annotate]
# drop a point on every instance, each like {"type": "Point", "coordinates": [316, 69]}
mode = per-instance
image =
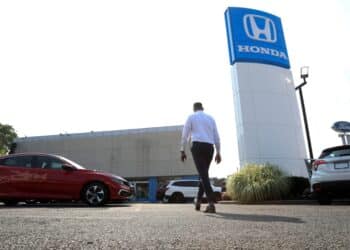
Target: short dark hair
{"type": "Point", "coordinates": [197, 106]}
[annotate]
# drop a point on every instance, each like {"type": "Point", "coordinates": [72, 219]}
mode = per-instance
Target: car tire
{"type": "Point", "coordinates": [31, 202]}
{"type": "Point", "coordinates": [217, 196]}
{"type": "Point", "coordinates": [95, 194]}
{"type": "Point", "coordinates": [10, 203]}
{"type": "Point", "coordinates": [324, 199]}
{"type": "Point", "coordinates": [177, 198]}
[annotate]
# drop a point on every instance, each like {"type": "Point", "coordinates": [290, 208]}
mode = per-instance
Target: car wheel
{"type": "Point", "coordinates": [44, 201]}
{"type": "Point", "coordinates": [217, 196]}
{"type": "Point", "coordinates": [30, 202]}
{"type": "Point", "coordinates": [95, 194]}
{"type": "Point", "coordinates": [10, 202]}
{"type": "Point", "coordinates": [324, 199]}
{"type": "Point", "coordinates": [177, 198]}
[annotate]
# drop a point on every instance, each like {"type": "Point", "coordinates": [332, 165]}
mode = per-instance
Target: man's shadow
{"type": "Point", "coordinates": [255, 217]}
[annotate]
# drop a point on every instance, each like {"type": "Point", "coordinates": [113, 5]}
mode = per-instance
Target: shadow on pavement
{"type": "Point", "coordinates": [255, 217]}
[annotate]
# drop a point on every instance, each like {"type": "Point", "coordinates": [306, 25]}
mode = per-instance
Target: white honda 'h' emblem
{"type": "Point", "coordinates": [267, 33]}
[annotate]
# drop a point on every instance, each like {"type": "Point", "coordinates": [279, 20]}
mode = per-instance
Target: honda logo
{"type": "Point", "coordinates": [260, 28]}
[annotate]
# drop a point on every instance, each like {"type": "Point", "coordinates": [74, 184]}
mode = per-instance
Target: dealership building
{"type": "Point", "coordinates": [146, 157]}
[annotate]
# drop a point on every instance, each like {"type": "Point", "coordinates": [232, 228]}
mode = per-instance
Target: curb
{"type": "Point", "coordinates": [276, 202]}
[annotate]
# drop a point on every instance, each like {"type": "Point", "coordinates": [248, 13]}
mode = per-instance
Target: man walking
{"type": "Point", "coordinates": [201, 129]}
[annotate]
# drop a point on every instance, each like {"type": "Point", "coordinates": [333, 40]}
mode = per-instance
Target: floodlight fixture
{"type": "Point", "coordinates": [304, 72]}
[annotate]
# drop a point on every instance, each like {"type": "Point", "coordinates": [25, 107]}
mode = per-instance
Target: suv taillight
{"type": "Point", "coordinates": [317, 163]}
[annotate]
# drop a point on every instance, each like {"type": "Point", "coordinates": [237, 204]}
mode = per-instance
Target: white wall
{"type": "Point", "coordinates": [129, 153]}
{"type": "Point", "coordinates": [267, 117]}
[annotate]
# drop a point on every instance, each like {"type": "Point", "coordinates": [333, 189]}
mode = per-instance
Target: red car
{"type": "Point", "coordinates": [43, 177]}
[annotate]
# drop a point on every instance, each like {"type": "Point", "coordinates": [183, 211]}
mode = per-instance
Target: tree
{"type": "Point", "coordinates": [7, 136]}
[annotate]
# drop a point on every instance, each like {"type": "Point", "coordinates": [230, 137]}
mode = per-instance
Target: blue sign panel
{"type": "Point", "coordinates": [255, 36]}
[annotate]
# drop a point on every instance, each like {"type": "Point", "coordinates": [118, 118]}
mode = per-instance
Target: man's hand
{"type": "Point", "coordinates": [183, 156]}
{"type": "Point", "coordinates": [218, 158]}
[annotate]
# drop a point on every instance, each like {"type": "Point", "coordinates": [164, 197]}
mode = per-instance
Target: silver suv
{"type": "Point", "coordinates": [331, 174]}
{"type": "Point", "coordinates": [182, 190]}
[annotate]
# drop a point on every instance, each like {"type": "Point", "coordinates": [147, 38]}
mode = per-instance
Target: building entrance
{"type": "Point", "coordinates": [141, 190]}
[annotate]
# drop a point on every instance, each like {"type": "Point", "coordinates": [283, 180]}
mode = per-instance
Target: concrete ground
{"type": "Point", "coordinates": [175, 226]}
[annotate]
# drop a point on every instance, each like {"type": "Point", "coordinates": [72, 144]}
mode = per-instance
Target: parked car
{"type": "Point", "coordinates": [182, 190]}
{"type": "Point", "coordinates": [330, 176]}
{"type": "Point", "coordinates": [43, 177]}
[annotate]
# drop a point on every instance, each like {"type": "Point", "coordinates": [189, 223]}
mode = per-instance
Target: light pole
{"type": "Point", "coordinates": [304, 73]}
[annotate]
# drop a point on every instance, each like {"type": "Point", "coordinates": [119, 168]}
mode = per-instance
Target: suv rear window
{"type": "Point", "coordinates": [335, 152]}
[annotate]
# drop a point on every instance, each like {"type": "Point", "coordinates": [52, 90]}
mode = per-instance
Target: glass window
{"type": "Point", "coordinates": [186, 183]}
{"type": "Point", "coordinates": [193, 183]}
{"type": "Point", "coordinates": [48, 162]}
{"type": "Point", "coordinates": [18, 161]}
{"type": "Point", "coordinates": [142, 190]}
{"type": "Point", "coordinates": [178, 183]}
{"type": "Point", "coordinates": [336, 153]}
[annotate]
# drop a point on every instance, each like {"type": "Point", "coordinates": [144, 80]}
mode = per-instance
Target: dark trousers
{"type": "Point", "coordinates": [203, 155]}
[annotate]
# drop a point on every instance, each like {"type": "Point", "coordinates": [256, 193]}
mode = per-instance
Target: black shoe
{"type": "Point", "coordinates": [197, 206]}
{"type": "Point", "coordinates": [210, 209]}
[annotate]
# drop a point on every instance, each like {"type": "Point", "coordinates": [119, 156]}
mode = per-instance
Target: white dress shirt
{"type": "Point", "coordinates": [200, 127]}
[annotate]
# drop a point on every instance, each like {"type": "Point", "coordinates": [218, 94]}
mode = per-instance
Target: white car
{"type": "Point", "coordinates": [331, 174]}
{"type": "Point", "coordinates": [182, 190]}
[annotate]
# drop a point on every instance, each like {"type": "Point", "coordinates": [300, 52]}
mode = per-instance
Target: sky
{"type": "Point", "coordinates": [79, 66]}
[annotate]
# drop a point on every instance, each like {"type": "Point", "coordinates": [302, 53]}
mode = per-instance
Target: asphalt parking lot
{"type": "Point", "coordinates": [174, 226]}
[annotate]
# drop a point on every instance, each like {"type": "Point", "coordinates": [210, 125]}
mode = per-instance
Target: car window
{"type": "Point", "coordinates": [193, 183]}
{"type": "Point", "coordinates": [74, 164]}
{"type": "Point", "coordinates": [336, 153]}
{"type": "Point", "coordinates": [17, 161]}
{"type": "Point", "coordinates": [186, 183]}
{"type": "Point", "coordinates": [178, 183]}
{"type": "Point", "coordinates": [48, 162]}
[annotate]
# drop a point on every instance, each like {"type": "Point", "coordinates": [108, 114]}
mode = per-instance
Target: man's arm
{"type": "Point", "coordinates": [184, 138]}
{"type": "Point", "coordinates": [217, 144]}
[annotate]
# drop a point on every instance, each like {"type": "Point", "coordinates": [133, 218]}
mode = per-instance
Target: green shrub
{"type": "Point", "coordinates": [257, 182]}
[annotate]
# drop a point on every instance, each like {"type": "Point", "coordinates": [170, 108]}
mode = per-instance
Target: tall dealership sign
{"type": "Point", "coordinates": [267, 115]}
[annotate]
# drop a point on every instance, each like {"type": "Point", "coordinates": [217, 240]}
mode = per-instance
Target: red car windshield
{"type": "Point", "coordinates": [74, 164]}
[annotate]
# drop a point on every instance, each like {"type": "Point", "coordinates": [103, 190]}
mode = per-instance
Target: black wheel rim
{"type": "Point", "coordinates": [95, 194]}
